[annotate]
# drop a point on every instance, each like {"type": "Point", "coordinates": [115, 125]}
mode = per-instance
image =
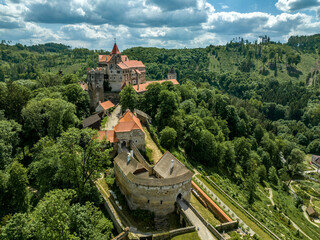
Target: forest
{"type": "Point", "coordinates": [244, 113]}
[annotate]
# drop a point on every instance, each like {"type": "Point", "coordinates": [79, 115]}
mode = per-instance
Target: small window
{"type": "Point", "coordinates": [148, 201]}
{"type": "Point", "coordinates": [161, 202]}
{"type": "Point", "coordinates": [118, 71]}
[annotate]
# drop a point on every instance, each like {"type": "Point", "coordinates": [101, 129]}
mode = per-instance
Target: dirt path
{"type": "Point", "coordinates": [307, 217]}
{"type": "Point", "coordinates": [156, 153]}
{"type": "Point", "coordinates": [270, 196]}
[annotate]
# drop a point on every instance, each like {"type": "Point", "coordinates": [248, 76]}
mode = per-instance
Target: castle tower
{"type": "Point", "coordinates": [172, 74]}
{"type": "Point", "coordinates": [116, 54]}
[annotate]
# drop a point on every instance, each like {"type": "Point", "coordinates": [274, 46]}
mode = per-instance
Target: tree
{"type": "Point", "coordinates": [2, 77]}
{"type": "Point", "coordinates": [167, 107]}
{"type": "Point", "coordinates": [295, 158]}
{"type": "Point", "coordinates": [242, 148]}
{"type": "Point", "coordinates": [150, 101]}
{"type": "Point", "coordinates": [75, 94]}
{"type": "Point", "coordinates": [273, 176]}
{"type": "Point", "coordinates": [9, 141]}
{"type": "Point", "coordinates": [251, 186]}
{"type": "Point", "coordinates": [55, 217]}
{"type": "Point", "coordinates": [70, 161]}
{"type": "Point", "coordinates": [49, 80]}
{"type": "Point", "coordinates": [128, 98]}
{"type": "Point", "coordinates": [16, 98]}
{"type": "Point", "coordinates": [262, 173]}
{"type": "Point", "coordinates": [48, 117]}
{"type": "Point", "coordinates": [16, 228]}
{"type": "Point", "coordinates": [17, 188]}
{"type": "Point", "coordinates": [168, 137]}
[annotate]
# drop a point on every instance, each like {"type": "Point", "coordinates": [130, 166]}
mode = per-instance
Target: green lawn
{"type": "Point", "coordinates": [239, 213]}
{"type": "Point", "coordinates": [187, 236]}
{"type": "Point", "coordinates": [204, 212]}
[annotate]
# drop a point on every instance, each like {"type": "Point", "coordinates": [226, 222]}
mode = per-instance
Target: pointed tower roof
{"type": "Point", "coordinates": [115, 49]}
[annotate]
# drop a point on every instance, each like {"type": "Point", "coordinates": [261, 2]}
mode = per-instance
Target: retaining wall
{"type": "Point", "coordinates": [227, 227]}
{"type": "Point", "coordinates": [218, 212]}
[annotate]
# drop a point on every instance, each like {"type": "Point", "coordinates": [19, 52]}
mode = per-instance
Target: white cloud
{"type": "Point", "coordinates": [168, 23]}
{"type": "Point", "coordinates": [295, 5]}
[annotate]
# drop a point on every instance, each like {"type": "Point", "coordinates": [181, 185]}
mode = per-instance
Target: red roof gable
{"type": "Point", "coordinates": [115, 49]}
{"type": "Point", "coordinates": [109, 137]}
{"type": "Point", "coordinates": [128, 122]}
{"type": "Point", "coordinates": [143, 87]}
{"type": "Point", "coordinates": [106, 105]}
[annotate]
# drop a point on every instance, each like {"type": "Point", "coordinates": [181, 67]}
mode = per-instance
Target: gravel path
{"type": "Point", "coordinates": [203, 231]}
{"type": "Point", "coordinates": [113, 119]}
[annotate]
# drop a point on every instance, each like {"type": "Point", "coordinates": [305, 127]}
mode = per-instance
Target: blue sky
{"type": "Point", "coordinates": [156, 23]}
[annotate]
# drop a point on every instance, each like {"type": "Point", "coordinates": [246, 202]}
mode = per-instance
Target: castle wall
{"type": "Point", "coordinates": [158, 199]}
{"type": "Point", "coordinates": [136, 134]}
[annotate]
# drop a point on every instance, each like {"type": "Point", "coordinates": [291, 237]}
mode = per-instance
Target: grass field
{"type": "Point", "coordinates": [156, 153]}
{"type": "Point", "coordinates": [187, 236]}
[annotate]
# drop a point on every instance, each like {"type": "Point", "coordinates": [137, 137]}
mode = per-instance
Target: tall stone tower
{"type": "Point", "coordinates": [172, 74]}
{"type": "Point", "coordinates": [95, 80]}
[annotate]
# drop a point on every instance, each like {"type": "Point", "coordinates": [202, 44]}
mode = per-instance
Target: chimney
{"type": "Point", "coordinates": [171, 166]}
{"type": "Point", "coordinates": [105, 133]}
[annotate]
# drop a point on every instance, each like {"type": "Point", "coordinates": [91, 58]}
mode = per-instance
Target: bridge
{"type": "Point", "coordinates": [203, 232]}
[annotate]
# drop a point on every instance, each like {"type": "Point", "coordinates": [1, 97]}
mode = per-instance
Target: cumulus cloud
{"type": "Point", "coordinates": [295, 5]}
{"type": "Point", "coordinates": [167, 23]}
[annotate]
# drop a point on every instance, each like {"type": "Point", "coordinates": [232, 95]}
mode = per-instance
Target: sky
{"type": "Point", "coordinates": [95, 24]}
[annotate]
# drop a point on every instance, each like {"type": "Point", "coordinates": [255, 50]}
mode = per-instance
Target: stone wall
{"type": "Point", "coordinates": [136, 136]}
{"type": "Point", "coordinates": [227, 227]}
{"type": "Point", "coordinates": [159, 198]}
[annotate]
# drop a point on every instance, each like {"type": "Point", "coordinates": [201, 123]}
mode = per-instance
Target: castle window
{"type": "Point", "coordinates": [118, 71]}
{"type": "Point", "coordinates": [161, 202]}
{"type": "Point", "coordinates": [148, 201]}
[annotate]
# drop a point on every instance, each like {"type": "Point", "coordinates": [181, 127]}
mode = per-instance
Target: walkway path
{"type": "Point", "coordinates": [271, 196]}
{"type": "Point", "coordinates": [225, 207]}
{"type": "Point", "coordinates": [203, 231]}
{"type": "Point", "coordinates": [113, 118]}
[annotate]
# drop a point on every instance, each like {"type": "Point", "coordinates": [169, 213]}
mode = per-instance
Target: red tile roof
{"type": "Point", "coordinates": [115, 49]}
{"type": "Point", "coordinates": [106, 105]}
{"type": "Point", "coordinates": [123, 66]}
{"type": "Point", "coordinates": [124, 58]}
{"type": "Point", "coordinates": [143, 87]}
{"type": "Point", "coordinates": [134, 64]}
{"type": "Point", "coordinates": [110, 136]}
{"type": "Point", "coordinates": [104, 58]}
{"type": "Point", "coordinates": [128, 122]}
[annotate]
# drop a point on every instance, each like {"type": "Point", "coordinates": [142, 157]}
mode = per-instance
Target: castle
{"type": "Point", "coordinates": [154, 188]}
{"type": "Point", "coordinates": [115, 71]}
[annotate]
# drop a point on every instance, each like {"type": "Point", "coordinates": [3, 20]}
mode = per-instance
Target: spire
{"type": "Point", "coordinates": [115, 49]}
